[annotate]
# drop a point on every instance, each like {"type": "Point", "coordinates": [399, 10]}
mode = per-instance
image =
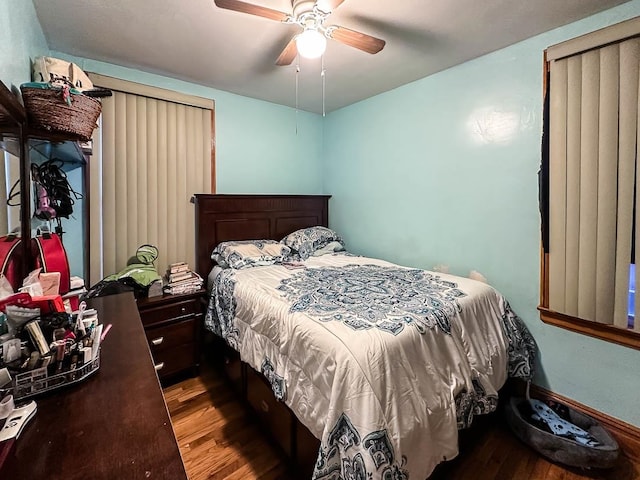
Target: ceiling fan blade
{"type": "Point", "coordinates": [328, 5]}
{"type": "Point", "coordinates": [252, 9]}
{"type": "Point", "coordinates": [358, 40]}
{"type": "Point", "coordinates": [288, 54]}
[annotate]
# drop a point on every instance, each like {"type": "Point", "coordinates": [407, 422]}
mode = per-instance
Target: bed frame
{"type": "Point", "coordinates": [248, 217]}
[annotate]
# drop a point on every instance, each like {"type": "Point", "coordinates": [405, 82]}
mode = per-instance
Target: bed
{"type": "Point", "coordinates": [383, 364]}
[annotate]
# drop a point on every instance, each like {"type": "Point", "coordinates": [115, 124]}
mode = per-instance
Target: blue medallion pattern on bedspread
{"type": "Point", "coordinates": [276, 381]}
{"type": "Point", "coordinates": [356, 453]}
{"type": "Point", "coordinates": [374, 296]}
{"type": "Point", "coordinates": [222, 308]}
{"type": "Point", "coordinates": [390, 299]}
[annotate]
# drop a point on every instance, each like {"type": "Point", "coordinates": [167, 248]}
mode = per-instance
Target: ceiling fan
{"type": "Point", "coordinates": [310, 15]}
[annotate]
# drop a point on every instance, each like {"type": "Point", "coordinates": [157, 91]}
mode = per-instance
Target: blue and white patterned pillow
{"type": "Point", "coordinates": [249, 253]}
{"type": "Point", "coordinates": [330, 247]}
{"type": "Point", "coordinates": [306, 241]}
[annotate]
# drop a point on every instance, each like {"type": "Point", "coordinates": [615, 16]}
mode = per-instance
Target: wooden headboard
{"type": "Point", "coordinates": [221, 218]}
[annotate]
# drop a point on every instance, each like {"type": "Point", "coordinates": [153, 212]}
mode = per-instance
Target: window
{"type": "Point", "coordinates": [590, 199]}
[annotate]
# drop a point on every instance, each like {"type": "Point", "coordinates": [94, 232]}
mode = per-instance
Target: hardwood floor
{"type": "Point", "coordinates": [219, 442]}
{"type": "Point", "coordinates": [216, 438]}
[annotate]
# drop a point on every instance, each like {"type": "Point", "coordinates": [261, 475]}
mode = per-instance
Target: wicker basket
{"type": "Point", "coordinates": [47, 110]}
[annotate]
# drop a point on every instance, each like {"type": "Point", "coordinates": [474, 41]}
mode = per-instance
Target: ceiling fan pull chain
{"type": "Point", "coordinates": [297, 75]}
{"type": "Point", "coordinates": [324, 78]}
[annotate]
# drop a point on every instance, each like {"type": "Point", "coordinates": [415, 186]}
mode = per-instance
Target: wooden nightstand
{"type": "Point", "coordinates": [172, 326]}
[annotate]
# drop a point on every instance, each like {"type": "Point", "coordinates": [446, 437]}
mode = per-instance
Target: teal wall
{"type": "Point", "coordinates": [257, 147]}
{"type": "Point", "coordinates": [444, 171]}
{"type": "Point", "coordinates": [440, 171]}
{"type": "Point", "coordinates": [20, 38]}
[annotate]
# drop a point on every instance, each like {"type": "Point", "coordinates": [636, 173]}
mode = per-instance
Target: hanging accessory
{"type": "Point", "coordinates": [57, 195]}
{"type": "Point", "coordinates": [43, 209]}
{"type": "Point", "coordinates": [66, 94]}
{"type": "Point", "coordinates": [13, 193]}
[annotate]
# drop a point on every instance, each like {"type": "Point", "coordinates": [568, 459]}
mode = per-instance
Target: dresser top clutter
{"type": "Point", "coordinates": [113, 425]}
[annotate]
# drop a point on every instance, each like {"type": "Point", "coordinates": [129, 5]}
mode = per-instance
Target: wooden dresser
{"type": "Point", "coordinates": [113, 425]}
{"type": "Point", "coordinates": [172, 326]}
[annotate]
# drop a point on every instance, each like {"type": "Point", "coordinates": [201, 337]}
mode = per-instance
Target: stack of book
{"type": "Point", "coordinates": [181, 279]}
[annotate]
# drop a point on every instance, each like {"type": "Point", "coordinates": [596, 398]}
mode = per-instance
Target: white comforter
{"type": "Point", "coordinates": [385, 397]}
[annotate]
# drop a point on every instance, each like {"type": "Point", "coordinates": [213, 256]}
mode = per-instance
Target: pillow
{"type": "Point", "coordinates": [308, 240]}
{"type": "Point", "coordinates": [328, 248]}
{"type": "Point", "coordinates": [249, 253]}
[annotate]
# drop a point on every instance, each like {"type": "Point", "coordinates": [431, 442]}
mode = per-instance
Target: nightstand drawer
{"type": "Point", "coordinates": [173, 311]}
{"type": "Point", "coordinates": [172, 327]}
{"type": "Point", "coordinates": [172, 335]}
{"type": "Point", "coordinates": [172, 360]}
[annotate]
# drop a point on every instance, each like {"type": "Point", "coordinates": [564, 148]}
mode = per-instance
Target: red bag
{"type": "Point", "coordinates": [50, 255]}
{"type": "Point", "coordinates": [10, 260]}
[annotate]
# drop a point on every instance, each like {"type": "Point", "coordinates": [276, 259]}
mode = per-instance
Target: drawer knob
{"type": "Point", "coordinates": [159, 366]}
{"type": "Point", "coordinates": [157, 341]}
{"type": "Point", "coordinates": [183, 309]}
{"type": "Point", "coordinates": [265, 406]}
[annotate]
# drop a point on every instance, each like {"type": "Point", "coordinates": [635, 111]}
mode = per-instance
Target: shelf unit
{"type": "Point", "coordinates": [18, 138]}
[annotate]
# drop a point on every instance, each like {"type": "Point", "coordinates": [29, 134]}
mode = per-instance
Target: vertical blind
{"type": "Point", "coordinates": [593, 175]}
{"type": "Point", "coordinates": [154, 155]}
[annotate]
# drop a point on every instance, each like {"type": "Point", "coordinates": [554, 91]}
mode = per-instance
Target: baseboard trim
{"type": "Point", "coordinates": [627, 435]}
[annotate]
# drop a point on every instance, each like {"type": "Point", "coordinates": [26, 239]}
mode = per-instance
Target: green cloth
{"type": "Point", "coordinates": [140, 267]}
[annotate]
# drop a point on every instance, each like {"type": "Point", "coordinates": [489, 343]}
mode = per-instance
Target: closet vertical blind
{"type": "Point", "coordinates": [594, 201]}
{"type": "Point", "coordinates": [154, 155]}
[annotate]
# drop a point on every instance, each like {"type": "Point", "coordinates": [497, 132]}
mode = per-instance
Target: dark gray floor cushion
{"type": "Point", "coordinates": [579, 441]}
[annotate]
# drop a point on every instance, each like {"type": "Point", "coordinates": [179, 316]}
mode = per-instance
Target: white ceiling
{"type": "Point", "coordinates": [196, 41]}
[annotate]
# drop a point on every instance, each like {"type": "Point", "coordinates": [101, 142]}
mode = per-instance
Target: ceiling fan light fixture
{"type": "Point", "coordinates": [311, 43]}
